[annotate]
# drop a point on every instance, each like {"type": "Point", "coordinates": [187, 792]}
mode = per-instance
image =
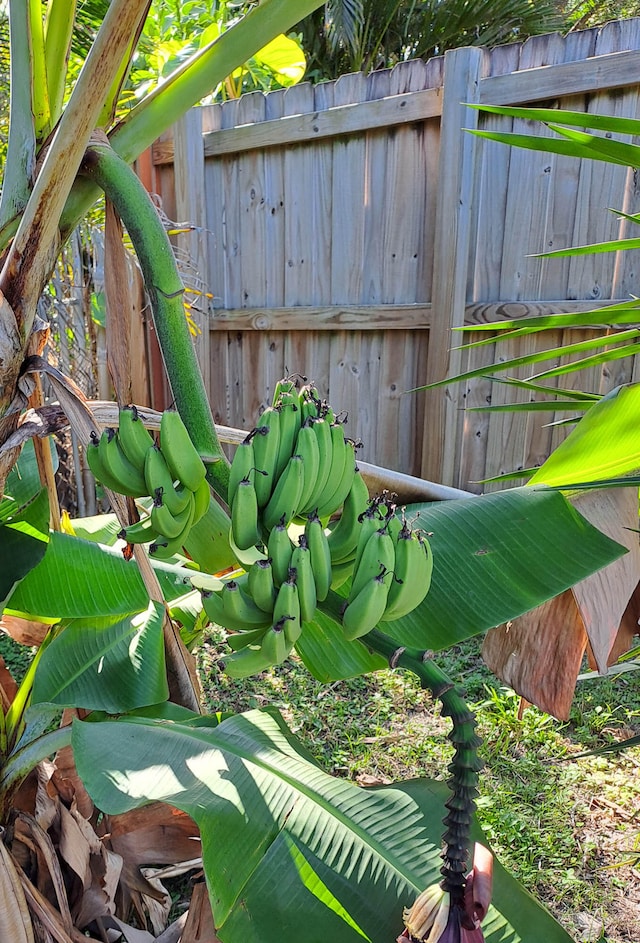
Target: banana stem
{"type": "Point", "coordinates": [165, 289]}
{"type": "Point", "coordinates": [465, 764]}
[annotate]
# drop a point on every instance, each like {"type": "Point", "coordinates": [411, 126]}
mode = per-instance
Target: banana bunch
{"type": "Point", "coordinates": [265, 607]}
{"type": "Point", "coordinates": [391, 570]}
{"type": "Point", "coordinates": [297, 461]}
{"type": "Point", "coordinates": [129, 461]}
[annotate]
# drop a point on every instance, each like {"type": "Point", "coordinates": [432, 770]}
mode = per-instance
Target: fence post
{"type": "Point", "coordinates": [188, 165]}
{"type": "Point", "coordinates": [463, 69]}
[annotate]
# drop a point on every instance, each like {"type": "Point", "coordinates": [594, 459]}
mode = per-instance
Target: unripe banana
{"type": "Point", "coordinates": [340, 573]}
{"type": "Point", "coordinates": [134, 438]}
{"type": "Point", "coordinates": [285, 500]}
{"type": "Point", "coordinates": [179, 451]}
{"type": "Point", "coordinates": [274, 644]}
{"type": "Point", "coordinates": [322, 432]}
{"type": "Point", "coordinates": [286, 386]}
{"type": "Point", "coordinates": [309, 401]}
{"type": "Point", "coordinates": [307, 449]}
{"type": "Point", "coordinates": [141, 532]}
{"type": "Point", "coordinates": [159, 482]}
{"type": "Point", "coordinates": [242, 466]}
{"type": "Point", "coordinates": [164, 548]}
{"type": "Point", "coordinates": [170, 525]}
{"type": "Point", "coordinates": [320, 555]}
{"type": "Point", "coordinates": [280, 549]}
{"type": "Point", "coordinates": [305, 580]}
{"type": "Point", "coordinates": [266, 442]}
{"type": "Point", "coordinates": [365, 610]}
{"type": "Point", "coordinates": [343, 539]}
{"type": "Point", "coordinates": [370, 521]}
{"type": "Point", "coordinates": [286, 610]}
{"type": "Point", "coordinates": [238, 640]}
{"type": "Point", "coordinates": [261, 586]}
{"type": "Point", "coordinates": [412, 574]}
{"type": "Point", "coordinates": [338, 453]}
{"type": "Point", "coordinates": [244, 516]}
{"type": "Point", "coordinates": [92, 453]}
{"type": "Point", "coordinates": [202, 499]}
{"type": "Point", "coordinates": [240, 610]}
{"type": "Point", "coordinates": [121, 472]}
{"type": "Point", "coordinates": [290, 423]}
{"type": "Point", "coordinates": [339, 495]}
{"type": "Point", "coordinates": [249, 660]}
{"type": "Point", "coordinates": [377, 557]}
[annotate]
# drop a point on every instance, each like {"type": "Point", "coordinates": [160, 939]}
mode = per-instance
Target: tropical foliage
{"type": "Point", "coordinates": [284, 847]}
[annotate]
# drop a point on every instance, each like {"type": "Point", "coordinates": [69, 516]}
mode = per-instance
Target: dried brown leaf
{"type": "Point", "coordinates": [540, 653]}
{"type": "Point", "coordinates": [15, 922]}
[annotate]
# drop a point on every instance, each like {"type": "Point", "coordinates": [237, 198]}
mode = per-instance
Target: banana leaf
{"type": "Point", "coordinates": [105, 665]}
{"type": "Point", "coordinates": [23, 543]}
{"type": "Point", "coordinates": [604, 445]}
{"type": "Point", "coordinates": [78, 579]}
{"type": "Point", "coordinates": [495, 557]}
{"type": "Point", "coordinates": [289, 851]}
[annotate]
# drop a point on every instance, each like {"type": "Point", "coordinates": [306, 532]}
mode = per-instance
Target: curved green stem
{"type": "Point", "coordinates": [165, 289]}
{"type": "Point", "coordinates": [465, 764]}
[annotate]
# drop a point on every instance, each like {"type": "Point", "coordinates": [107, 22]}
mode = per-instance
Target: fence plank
{"type": "Point", "coordinates": [458, 152]}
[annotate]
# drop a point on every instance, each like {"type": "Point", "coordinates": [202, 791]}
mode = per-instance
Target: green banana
{"type": "Point", "coordinates": [286, 386]}
{"type": "Point", "coordinates": [244, 462]}
{"type": "Point", "coordinates": [134, 438]}
{"type": "Point", "coordinates": [335, 499]}
{"type": "Point", "coordinates": [244, 516]}
{"type": "Point", "coordinates": [286, 610]}
{"type": "Point", "coordinates": [128, 479]}
{"type": "Point", "coordinates": [320, 555]}
{"type": "Point", "coordinates": [163, 548]}
{"type": "Point", "coordinates": [370, 521]}
{"type": "Point", "coordinates": [179, 451]}
{"type": "Point", "coordinates": [365, 610]}
{"type": "Point", "coordinates": [412, 574]}
{"type": "Point", "coordinates": [377, 557]}
{"type": "Point", "coordinates": [238, 640]}
{"type": "Point", "coordinates": [249, 660]}
{"type": "Point", "coordinates": [285, 499]}
{"type": "Point", "coordinates": [170, 525]}
{"type": "Point", "coordinates": [260, 584]}
{"type": "Point", "coordinates": [274, 644]}
{"type": "Point", "coordinates": [202, 499]}
{"type": "Point", "coordinates": [290, 422]}
{"type": "Point", "coordinates": [340, 573]}
{"type": "Point", "coordinates": [279, 550]}
{"type": "Point", "coordinates": [92, 453]}
{"type": "Point", "coordinates": [141, 532]}
{"type": "Point", "coordinates": [309, 401]}
{"type": "Point", "coordinates": [338, 456]}
{"type": "Point", "coordinates": [160, 482]}
{"type": "Point", "coordinates": [305, 580]}
{"type": "Point", "coordinates": [307, 448]}
{"type": "Point", "coordinates": [240, 610]}
{"type": "Point", "coordinates": [322, 431]}
{"type": "Point", "coordinates": [343, 539]}
{"type": "Point", "coordinates": [266, 441]}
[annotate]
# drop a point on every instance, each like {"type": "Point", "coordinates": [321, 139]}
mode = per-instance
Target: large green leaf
{"type": "Point", "coordinates": [495, 557]}
{"type": "Point", "coordinates": [289, 851]}
{"type": "Point", "coordinates": [78, 579]}
{"type": "Point", "coordinates": [23, 543]}
{"type": "Point", "coordinates": [113, 666]}
{"type": "Point", "coordinates": [23, 483]}
{"type": "Point", "coordinates": [605, 443]}
{"type": "Point", "coordinates": [329, 656]}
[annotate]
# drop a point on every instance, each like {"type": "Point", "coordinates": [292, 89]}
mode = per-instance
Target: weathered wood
{"type": "Point", "coordinates": [458, 153]}
{"type": "Point", "coordinates": [618, 70]}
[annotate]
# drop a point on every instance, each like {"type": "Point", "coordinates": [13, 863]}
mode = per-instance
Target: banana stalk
{"type": "Point", "coordinates": [464, 766]}
{"type": "Point", "coordinates": [165, 289]}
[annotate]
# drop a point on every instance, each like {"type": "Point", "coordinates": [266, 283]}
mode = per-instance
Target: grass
{"type": "Point", "coordinates": [568, 829]}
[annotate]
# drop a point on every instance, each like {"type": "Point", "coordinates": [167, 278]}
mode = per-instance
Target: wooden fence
{"type": "Point", "coordinates": [344, 229]}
